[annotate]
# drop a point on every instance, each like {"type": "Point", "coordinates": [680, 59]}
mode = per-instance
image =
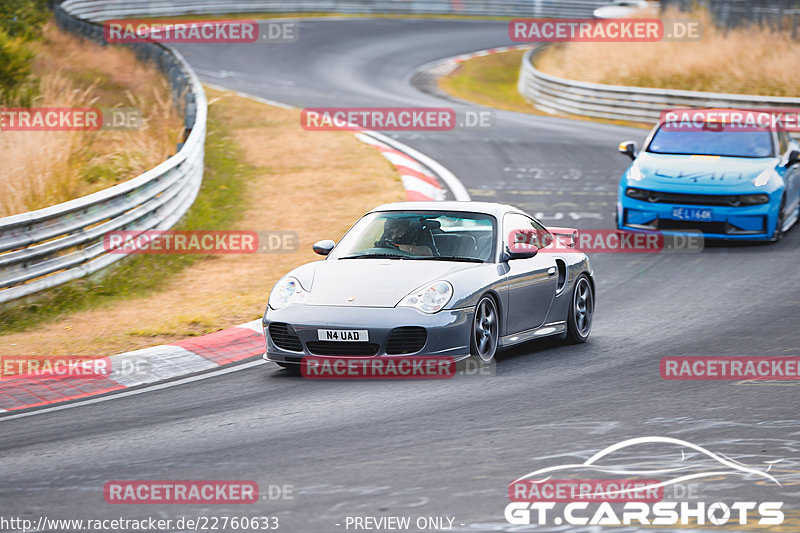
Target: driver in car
{"type": "Point", "coordinates": [403, 234]}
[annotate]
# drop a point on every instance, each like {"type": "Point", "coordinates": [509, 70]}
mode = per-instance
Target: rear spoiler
{"type": "Point", "coordinates": [566, 237]}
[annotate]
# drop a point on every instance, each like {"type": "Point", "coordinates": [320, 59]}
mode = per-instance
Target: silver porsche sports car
{"type": "Point", "coordinates": [435, 279]}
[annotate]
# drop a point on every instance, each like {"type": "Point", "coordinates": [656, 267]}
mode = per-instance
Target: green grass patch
{"type": "Point", "coordinates": [489, 80]}
{"type": "Point", "coordinates": [217, 207]}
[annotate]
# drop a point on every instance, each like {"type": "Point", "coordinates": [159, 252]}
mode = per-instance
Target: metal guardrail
{"type": "Point", "coordinates": [616, 102]}
{"type": "Point", "coordinates": [51, 246]}
{"type": "Point", "coordinates": [106, 9]}
{"type": "Point", "coordinates": [45, 248]}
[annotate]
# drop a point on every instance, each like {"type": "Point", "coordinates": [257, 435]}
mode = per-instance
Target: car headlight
{"type": "Point", "coordinates": [753, 199]}
{"type": "Point", "coordinates": [429, 298]}
{"type": "Point", "coordinates": [763, 178]}
{"type": "Point", "coordinates": [634, 174]}
{"type": "Point", "coordinates": [285, 291]}
{"type": "Point", "coordinates": [639, 194]}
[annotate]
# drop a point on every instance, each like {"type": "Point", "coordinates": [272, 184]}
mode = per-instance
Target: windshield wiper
{"type": "Point", "coordinates": [451, 258]}
{"type": "Point", "coordinates": [376, 256]}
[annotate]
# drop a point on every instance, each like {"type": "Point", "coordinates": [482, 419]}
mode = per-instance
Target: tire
{"type": "Point", "coordinates": [778, 235]}
{"type": "Point", "coordinates": [485, 332]}
{"type": "Point", "coordinates": [581, 311]}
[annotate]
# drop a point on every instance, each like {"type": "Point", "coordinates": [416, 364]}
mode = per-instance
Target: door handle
{"type": "Point", "coordinates": [551, 271]}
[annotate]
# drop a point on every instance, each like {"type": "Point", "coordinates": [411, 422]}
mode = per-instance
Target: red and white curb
{"type": "Point", "coordinates": [490, 51]}
{"type": "Point", "coordinates": [422, 178]}
{"type": "Point", "coordinates": [418, 181]}
{"type": "Point", "coordinates": [443, 67]}
{"type": "Point", "coordinates": [137, 368]}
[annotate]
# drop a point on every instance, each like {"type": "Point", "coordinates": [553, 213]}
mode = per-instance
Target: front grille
{"type": "Point", "coordinates": [342, 348]}
{"type": "Point", "coordinates": [408, 339]}
{"type": "Point", "coordinates": [657, 197]}
{"type": "Point", "coordinates": [690, 225]}
{"type": "Point", "coordinates": [284, 337]}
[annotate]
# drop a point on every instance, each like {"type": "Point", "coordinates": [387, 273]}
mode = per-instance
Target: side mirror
{"type": "Point", "coordinates": [628, 148]}
{"type": "Point", "coordinates": [324, 247]}
{"type": "Point", "coordinates": [794, 158]}
{"type": "Point", "coordinates": [518, 252]}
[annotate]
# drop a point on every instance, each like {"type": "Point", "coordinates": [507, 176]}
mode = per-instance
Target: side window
{"type": "Point", "coordinates": [538, 233]}
{"type": "Point", "coordinates": [783, 142]}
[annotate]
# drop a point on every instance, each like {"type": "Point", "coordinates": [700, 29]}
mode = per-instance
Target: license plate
{"type": "Point", "coordinates": [691, 213]}
{"type": "Point", "coordinates": [343, 335]}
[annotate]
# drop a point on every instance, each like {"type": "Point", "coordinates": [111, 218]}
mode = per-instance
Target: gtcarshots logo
{"type": "Point", "coordinates": [639, 494]}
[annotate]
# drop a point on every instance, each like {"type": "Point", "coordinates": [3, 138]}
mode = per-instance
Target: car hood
{"type": "Point", "coordinates": [681, 171]}
{"type": "Point", "coordinates": [373, 282]}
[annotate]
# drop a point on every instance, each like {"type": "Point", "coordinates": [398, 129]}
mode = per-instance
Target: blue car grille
{"type": "Point", "coordinates": [658, 197]}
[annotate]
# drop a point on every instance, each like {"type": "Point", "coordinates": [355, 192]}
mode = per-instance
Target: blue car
{"type": "Point", "coordinates": [723, 182]}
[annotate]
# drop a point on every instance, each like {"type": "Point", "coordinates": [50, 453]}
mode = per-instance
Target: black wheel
{"type": "Point", "coordinates": [778, 235]}
{"type": "Point", "coordinates": [485, 330]}
{"type": "Point", "coordinates": [581, 311]}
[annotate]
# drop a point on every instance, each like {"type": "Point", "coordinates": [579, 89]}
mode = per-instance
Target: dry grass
{"type": "Point", "coordinates": [45, 168]}
{"type": "Point", "coordinates": [315, 183]}
{"type": "Point", "coordinates": [746, 61]}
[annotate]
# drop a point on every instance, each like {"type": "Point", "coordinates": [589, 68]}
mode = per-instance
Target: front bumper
{"type": "Point", "coordinates": [448, 331]}
{"type": "Point", "coordinates": [756, 222]}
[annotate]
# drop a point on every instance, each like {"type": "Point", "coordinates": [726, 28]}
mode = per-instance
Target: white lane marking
{"type": "Point", "coordinates": [254, 325]}
{"type": "Point", "coordinates": [122, 394]}
{"type": "Point", "coordinates": [266, 101]}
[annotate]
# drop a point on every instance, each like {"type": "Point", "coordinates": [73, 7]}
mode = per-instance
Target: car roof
{"type": "Point", "coordinates": [487, 208]}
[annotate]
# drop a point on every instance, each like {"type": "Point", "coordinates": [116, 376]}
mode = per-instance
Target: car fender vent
{"type": "Point", "coordinates": [284, 337]}
{"type": "Point", "coordinates": [561, 265]}
{"type": "Point", "coordinates": [406, 340]}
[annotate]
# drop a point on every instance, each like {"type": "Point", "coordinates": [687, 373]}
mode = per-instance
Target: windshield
{"type": "Point", "coordinates": [421, 235]}
{"type": "Point", "coordinates": [721, 141]}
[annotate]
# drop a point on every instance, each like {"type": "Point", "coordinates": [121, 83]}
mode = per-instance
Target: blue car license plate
{"type": "Point", "coordinates": [691, 213]}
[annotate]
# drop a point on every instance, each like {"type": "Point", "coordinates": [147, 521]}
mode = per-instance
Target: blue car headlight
{"type": "Point", "coordinates": [286, 291]}
{"type": "Point", "coordinates": [429, 298]}
{"type": "Point", "coordinates": [634, 174]}
{"type": "Point", "coordinates": [764, 178]}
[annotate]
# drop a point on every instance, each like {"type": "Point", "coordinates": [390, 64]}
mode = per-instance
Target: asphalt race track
{"type": "Point", "coordinates": [448, 448]}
